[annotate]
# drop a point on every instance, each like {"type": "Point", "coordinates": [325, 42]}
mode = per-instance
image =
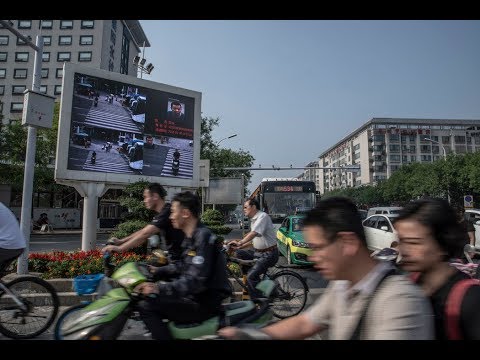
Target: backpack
{"type": "Point", "coordinates": [453, 305]}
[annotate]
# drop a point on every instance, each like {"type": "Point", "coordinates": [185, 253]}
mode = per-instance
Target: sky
{"type": "Point", "coordinates": [292, 89]}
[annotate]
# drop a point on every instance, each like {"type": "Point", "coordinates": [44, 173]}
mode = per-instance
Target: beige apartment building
{"type": "Point", "coordinates": [103, 44]}
{"type": "Point", "coordinates": [382, 145]}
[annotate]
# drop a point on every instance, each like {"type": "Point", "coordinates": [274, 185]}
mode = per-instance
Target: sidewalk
{"type": "Point", "coordinates": [70, 231]}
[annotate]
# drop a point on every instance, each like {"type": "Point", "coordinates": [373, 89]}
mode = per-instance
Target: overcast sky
{"type": "Point", "coordinates": [291, 89]}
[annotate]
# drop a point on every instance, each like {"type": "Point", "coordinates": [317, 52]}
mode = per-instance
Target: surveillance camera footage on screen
{"type": "Point", "coordinates": [126, 129]}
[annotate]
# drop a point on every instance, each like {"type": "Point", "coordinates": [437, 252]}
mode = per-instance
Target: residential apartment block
{"type": "Point", "coordinates": [382, 145]}
{"type": "Point", "coordinates": [103, 44]}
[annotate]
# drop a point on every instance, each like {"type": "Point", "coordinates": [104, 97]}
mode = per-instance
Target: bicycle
{"type": "Point", "coordinates": [290, 294]}
{"type": "Point", "coordinates": [28, 306]}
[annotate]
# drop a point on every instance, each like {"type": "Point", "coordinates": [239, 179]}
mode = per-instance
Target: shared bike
{"type": "Point", "coordinates": [28, 306]}
{"type": "Point", "coordinates": [289, 295]}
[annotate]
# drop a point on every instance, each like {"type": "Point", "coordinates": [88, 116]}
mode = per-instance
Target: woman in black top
{"type": "Point", "coordinates": [429, 235]}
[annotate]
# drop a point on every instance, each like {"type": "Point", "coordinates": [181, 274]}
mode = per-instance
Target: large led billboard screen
{"type": "Point", "coordinates": [116, 128]}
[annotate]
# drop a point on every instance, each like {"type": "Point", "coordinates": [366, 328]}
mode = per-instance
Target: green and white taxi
{"type": "Point", "coordinates": [290, 241]}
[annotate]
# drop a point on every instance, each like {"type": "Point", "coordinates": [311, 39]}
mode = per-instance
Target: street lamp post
{"type": "Point", "coordinates": [228, 137]}
{"type": "Point", "coordinates": [444, 158]}
{"type": "Point", "coordinates": [139, 62]}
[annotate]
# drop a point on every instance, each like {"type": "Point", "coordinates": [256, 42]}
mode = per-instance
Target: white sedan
{"type": "Point", "coordinates": [379, 231]}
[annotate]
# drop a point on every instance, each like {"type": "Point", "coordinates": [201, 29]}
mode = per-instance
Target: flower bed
{"type": "Point", "coordinates": [68, 264]}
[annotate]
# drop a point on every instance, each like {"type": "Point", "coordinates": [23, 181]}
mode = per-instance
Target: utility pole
{"type": "Point", "coordinates": [26, 212]}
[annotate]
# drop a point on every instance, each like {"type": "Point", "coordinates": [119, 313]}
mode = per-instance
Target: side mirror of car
{"type": "Point", "coordinates": [384, 228]}
{"type": "Point", "coordinates": [477, 222]}
{"type": "Point", "coordinates": [283, 229]}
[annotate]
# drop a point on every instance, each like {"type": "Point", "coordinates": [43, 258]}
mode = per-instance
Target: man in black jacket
{"type": "Point", "coordinates": [154, 199]}
{"type": "Point", "coordinates": [198, 280]}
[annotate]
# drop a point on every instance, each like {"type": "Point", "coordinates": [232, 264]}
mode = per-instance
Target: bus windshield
{"type": "Point", "coordinates": [280, 205]}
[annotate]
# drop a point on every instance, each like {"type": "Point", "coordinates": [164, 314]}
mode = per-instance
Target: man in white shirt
{"type": "Point", "coordinates": [12, 241]}
{"type": "Point", "coordinates": [262, 237]}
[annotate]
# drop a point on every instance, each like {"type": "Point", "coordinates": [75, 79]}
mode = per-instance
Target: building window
{"type": "Point", "coordinates": [45, 24]}
{"type": "Point", "coordinates": [47, 40]}
{"type": "Point", "coordinates": [86, 40]}
{"type": "Point", "coordinates": [59, 73]}
{"type": "Point", "coordinates": [459, 139]}
{"type": "Point", "coordinates": [394, 137]}
{"type": "Point", "coordinates": [63, 56]}
{"type": "Point", "coordinates": [18, 89]}
{"type": "Point", "coordinates": [426, 158]}
{"type": "Point", "coordinates": [412, 138]}
{"type": "Point", "coordinates": [21, 56]}
{"type": "Point", "coordinates": [4, 40]}
{"type": "Point", "coordinates": [66, 24]}
{"type": "Point", "coordinates": [425, 148]}
{"type": "Point", "coordinates": [394, 158]}
{"type": "Point", "coordinates": [88, 24]}
{"type": "Point", "coordinates": [3, 56]}
{"type": "Point", "coordinates": [65, 40]}
{"type": "Point", "coordinates": [16, 107]}
{"type": "Point", "coordinates": [43, 89]}
{"type": "Point", "coordinates": [445, 139]}
{"type": "Point", "coordinates": [394, 148]}
{"type": "Point", "coordinates": [85, 56]}
{"type": "Point", "coordinates": [44, 73]}
{"type": "Point", "coordinates": [46, 57]}
{"type": "Point", "coordinates": [20, 41]}
{"type": "Point", "coordinates": [2, 89]}
{"type": "Point", "coordinates": [58, 89]}
{"type": "Point", "coordinates": [24, 24]}
{"type": "Point", "coordinates": [20, 73]}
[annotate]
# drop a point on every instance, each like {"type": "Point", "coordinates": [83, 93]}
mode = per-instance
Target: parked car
{"type": "Point", "coordinates": [389, 210]}
{"type": "Point", "coordinates": [379, 231]}
{"type": "Point", "coordinates": [473, 215]}
{"type": "Point", "coordinates": [291, 243]}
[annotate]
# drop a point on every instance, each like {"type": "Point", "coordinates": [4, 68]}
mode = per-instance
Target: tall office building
{"type": "Point", "coordinates": [103, 44]}
{"type": "Point", "coordinates": [382, 145]}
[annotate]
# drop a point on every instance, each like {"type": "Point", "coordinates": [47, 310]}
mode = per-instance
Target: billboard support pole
{"type": "Point", "coordinates": [90, 192]}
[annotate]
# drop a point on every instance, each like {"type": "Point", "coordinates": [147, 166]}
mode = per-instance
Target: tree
{"type": "Point", "coordinates": [13, 147]}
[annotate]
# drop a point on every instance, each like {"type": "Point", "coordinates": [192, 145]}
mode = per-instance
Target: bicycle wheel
{"type": "Point", "coordinates": [41, 302]}
{"type": "Point", "coordinates": [290, 294]}
{"type": "Point", "coordinates": [66, 315]}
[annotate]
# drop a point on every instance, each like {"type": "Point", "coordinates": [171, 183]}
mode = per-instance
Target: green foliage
{"type": "Point", "coordinates": [235, 269]}
{"type": "Point", "coordinates": [220, 230]}
{"type": "Point", "coordinates": [133, 201]}
{"type": "Point", "coordinates": [13, 147]}
{"type": "Point", "coordinates": [129, 227]}
{"type": "Point", "coordinates": [212, 217]}
{"type": "Point", "coordinates": [457, 176]}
